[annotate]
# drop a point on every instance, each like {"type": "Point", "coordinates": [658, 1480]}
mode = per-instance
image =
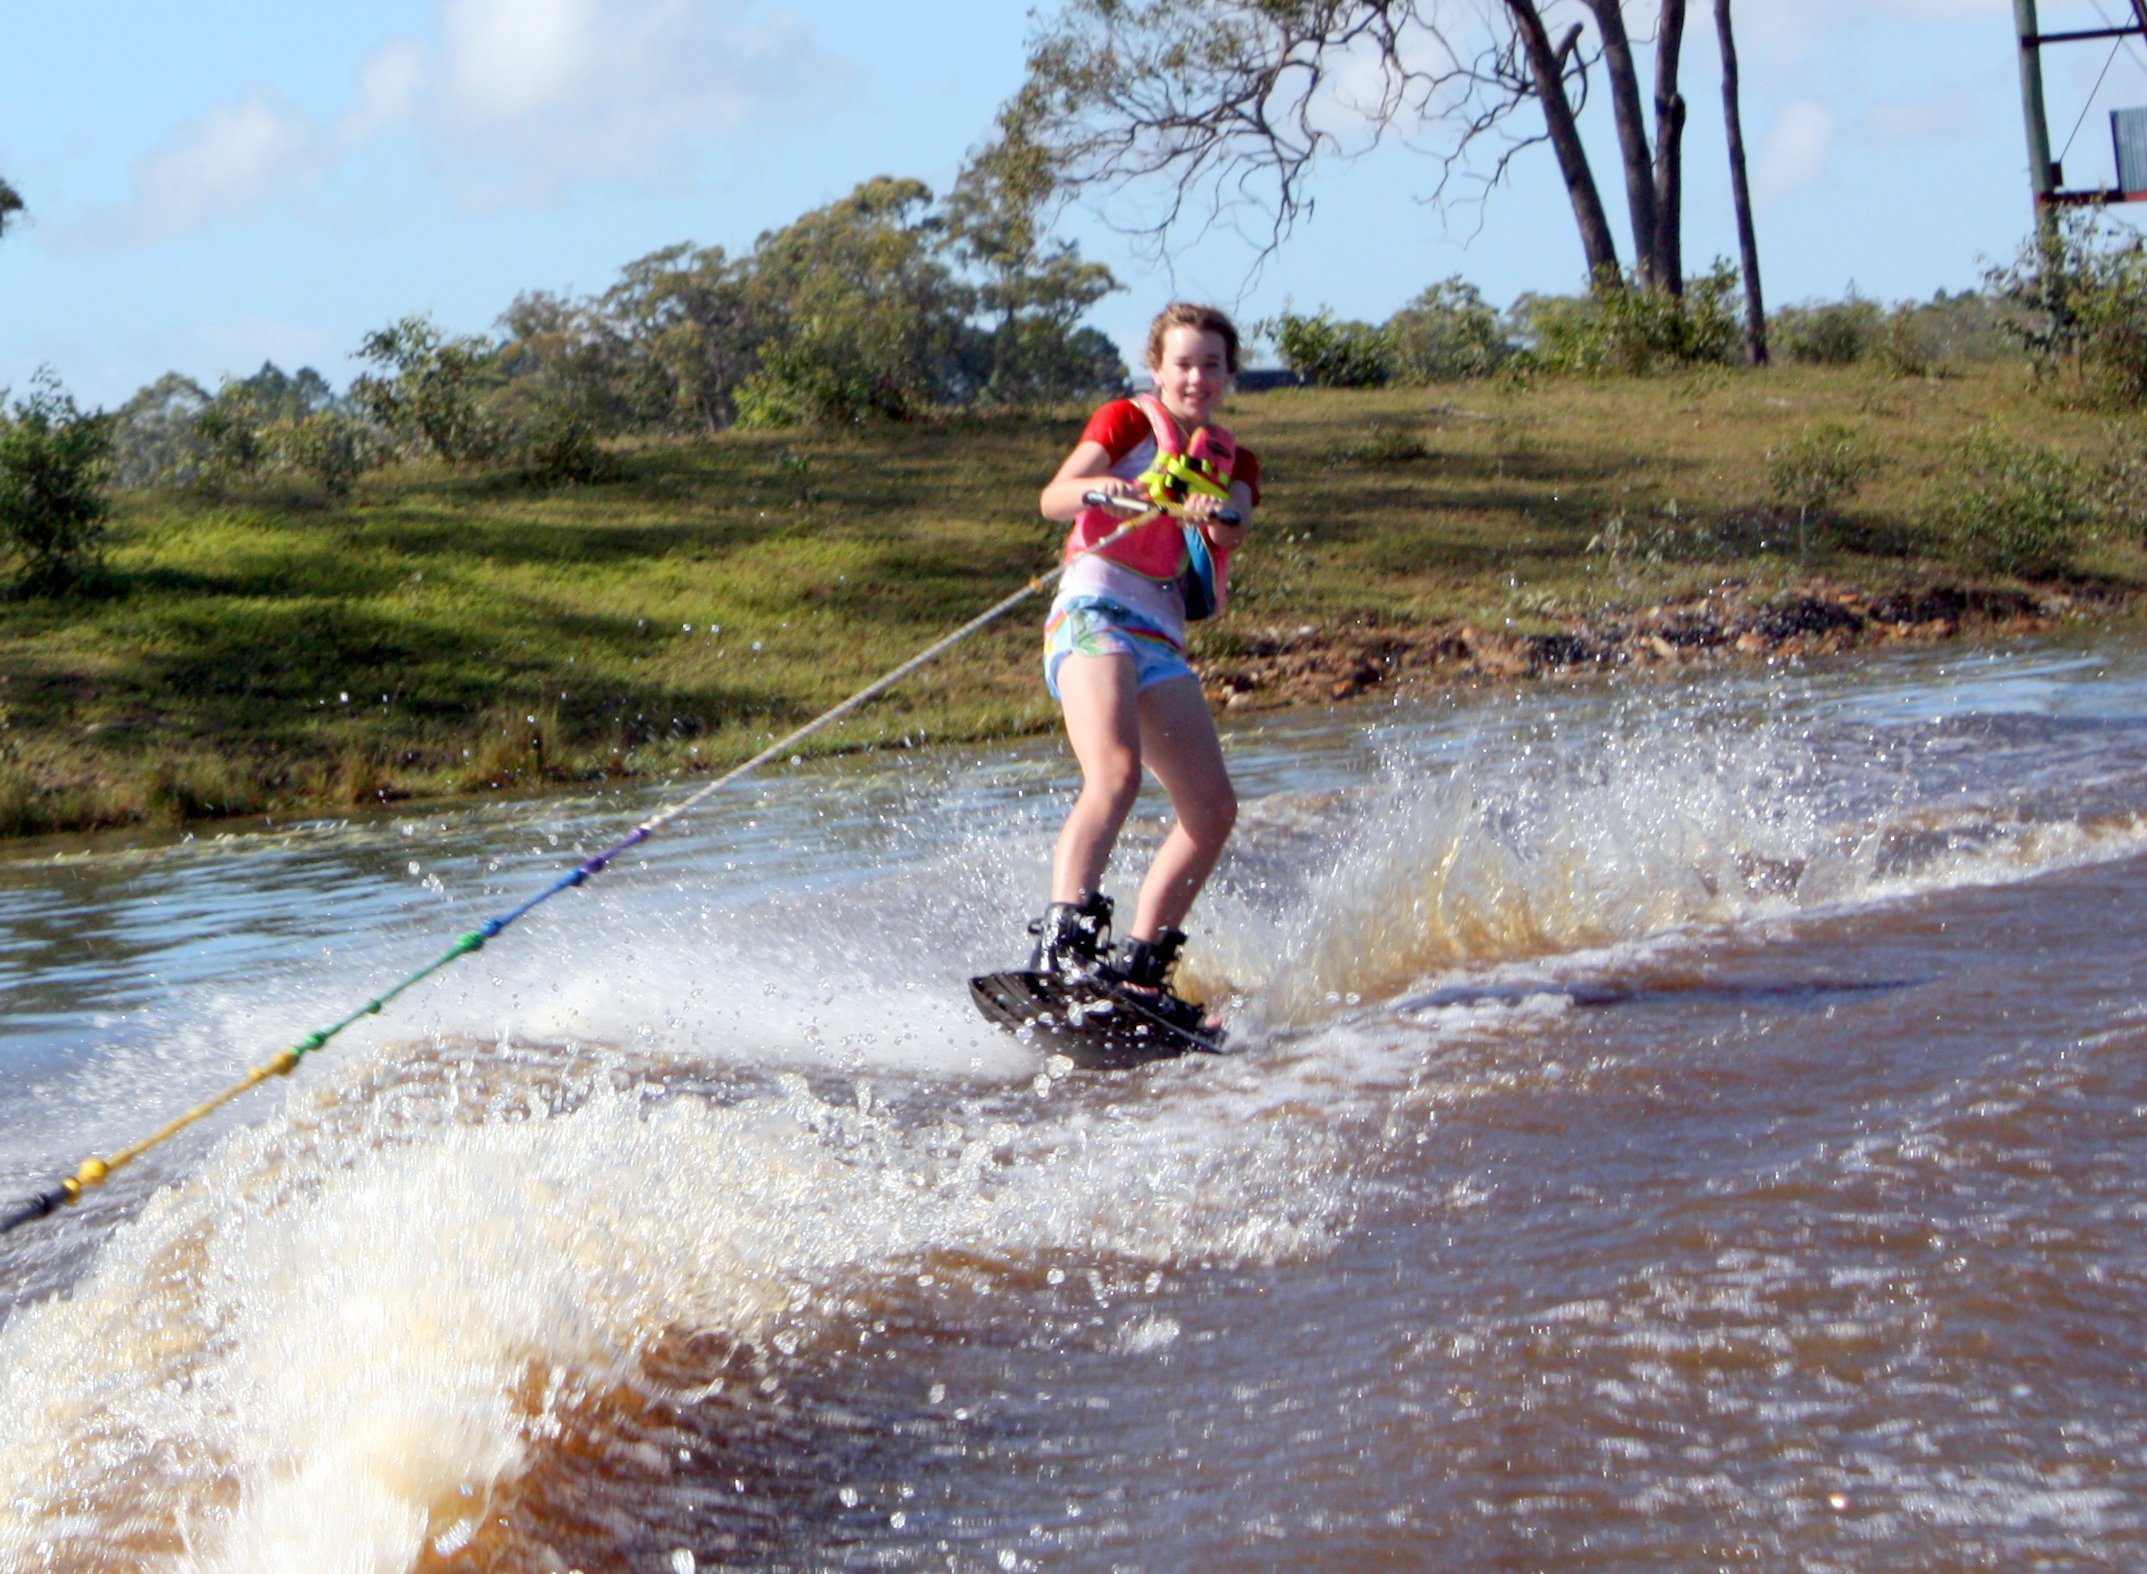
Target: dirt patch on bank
{"type": "Point", "coordinates": [1312, 665]}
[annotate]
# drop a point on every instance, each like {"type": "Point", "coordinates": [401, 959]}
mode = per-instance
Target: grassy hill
{"type": "Point", "coordinates": [443, 632]}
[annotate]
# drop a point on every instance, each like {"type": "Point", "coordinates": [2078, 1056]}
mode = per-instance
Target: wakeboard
{"type": "Point", "coordinates": [1097, 1027]}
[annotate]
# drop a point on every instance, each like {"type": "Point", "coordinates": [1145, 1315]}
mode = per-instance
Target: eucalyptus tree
{"type": "Point", "coordinates": [693, 327]}
{"type": "Point", "coordinates": [1032, 290]}
{"type": "Point", "coordinates": [867, 319]}
{"type": "Point", "coordinates": [157, 437]}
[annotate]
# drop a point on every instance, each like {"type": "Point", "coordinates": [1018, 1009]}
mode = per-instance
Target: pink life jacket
{"type": "Point", "coordinates": [1157, 550]}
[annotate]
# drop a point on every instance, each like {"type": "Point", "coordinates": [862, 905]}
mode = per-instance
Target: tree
{"type": "Point", "coordinates": [567, 355]}
{"type": "Point", "coordinates": [1330, 354]}
{"type": "Point", "coordinates": [254, 423]}
{"type": "Point", "coordinates": [231, 431]}
{"type": "Point", "coordinates": [1755, 308]}
{"type": "Point", "coordinates": [1033, 292]}
{"type": "Point", "coordinates": [10, 205]}
{"type": "Point", "coordinates": [1230, 104]}
{"type": "Point", "coordinates": [1448, 332]}
{"type": "Point", "coordinates": [692, 328]}
{"type": "Point", "coordinates": [431, 395]}
{"type": "Point", "coordinates": [157, 435]}
{"type": "Point", "coordinates": [53, 457]}
{"type": "Point", "coordinates": [284, 396]}
{"type": "Point", "coordinates": [566, 386]}
{"type": "Point", "coordinates": [868, 321]}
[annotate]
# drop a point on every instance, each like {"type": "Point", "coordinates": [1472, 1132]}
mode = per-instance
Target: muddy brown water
{"type": "Point", "coordinates": [1676, 1125]}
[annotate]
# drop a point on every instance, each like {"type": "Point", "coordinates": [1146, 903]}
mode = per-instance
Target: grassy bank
{"type": "Point", "coordinates": [442, 633]}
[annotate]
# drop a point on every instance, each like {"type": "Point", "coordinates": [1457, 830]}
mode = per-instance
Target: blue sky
{"type": "Point", "coordinates": [221, 184]}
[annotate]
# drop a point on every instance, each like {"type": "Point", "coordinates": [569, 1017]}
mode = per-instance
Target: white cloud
{"type": "Point", "coordinates": [389, 85]}
{"type": "Point", "coordinates": [1795, 150]}
{"type": "Point", "coordinates": [233, 162]}
{"type": "Point", "coordinates": [508, 60]}
{"type": "Point", "coordinates": [519, 100]}
{"type": "Point", "coordinates": [537, 95]}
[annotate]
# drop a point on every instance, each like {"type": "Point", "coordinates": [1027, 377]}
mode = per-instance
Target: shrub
{"type": "Point", "coordinates": [2122, 486]}
{"type": "Point", "coordinates": [1331, 354]}
{"type": "Point", "coordinates": [1968, 326]}
{"type": "Point", "coordinates": [550, 428]}
{"type": "Point", "coordinates": [2080, 293]}
{"type": "Point", "coordinates": [332, 448]}
{"type": "Point", "coordinates": [2016, 508]}
{"type": "Point", "coordinates": [558, 443]}
{"type": "Point", "coordinates": [2111, 323]}
{"type": "Point", "coordinates": [1904, 349]}
{"type": "Point", "coordinates": [53, 458]}
{"type": "Point", "coordinates": [764, 403]}
{"type": "Point", "coordinates": [1816, 469]}
{"type": "Point", "coordinates": [1830, 333]}
{"type": "Point", "coordinates": [1381, 443]}
{"type": "Point", "coordinates": [1447, 333]}
{"type": "Point", "coordinates": [1621, 329]}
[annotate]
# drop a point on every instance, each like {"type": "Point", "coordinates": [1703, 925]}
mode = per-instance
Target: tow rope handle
{"type": "Point", "coordinates": [1171, 506]}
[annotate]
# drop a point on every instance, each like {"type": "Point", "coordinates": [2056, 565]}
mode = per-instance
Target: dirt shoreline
{"type": "Point", "coordinates": [1309, 665]}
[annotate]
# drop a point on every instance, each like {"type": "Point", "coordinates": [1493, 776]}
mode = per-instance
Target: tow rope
{"type": "Point", "coordinates": [95, 1171]}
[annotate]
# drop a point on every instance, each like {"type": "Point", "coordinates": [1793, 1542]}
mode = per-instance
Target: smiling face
{"type": "Point", "coordinates": [1192, 373]}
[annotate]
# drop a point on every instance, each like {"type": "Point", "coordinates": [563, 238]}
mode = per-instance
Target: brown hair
{"type": "Point", "coordinates": [1207, 319]}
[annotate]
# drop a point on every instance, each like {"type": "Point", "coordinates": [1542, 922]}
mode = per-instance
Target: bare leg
{"type": "Point", "coordinates": [1104, 725]}
{"type": "Point", "coordinates": [1177, 739]}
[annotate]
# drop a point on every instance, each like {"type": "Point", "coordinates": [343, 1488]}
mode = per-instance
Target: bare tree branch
{"type": "Point", "coordinates": [1190, 114]}
{"type": "Point", "coordinates": [1228, 106]}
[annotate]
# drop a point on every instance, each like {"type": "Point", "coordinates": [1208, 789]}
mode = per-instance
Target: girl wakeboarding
{"type": "Point", "coordinates": [1114, 654]}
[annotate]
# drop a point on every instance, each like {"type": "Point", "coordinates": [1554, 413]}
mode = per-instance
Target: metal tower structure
{"type": "Point", "coordinates": [2128, 127]}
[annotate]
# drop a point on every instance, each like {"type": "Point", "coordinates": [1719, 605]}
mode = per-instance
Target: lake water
{"type": "Point", "coordinates": [1675, 1124]}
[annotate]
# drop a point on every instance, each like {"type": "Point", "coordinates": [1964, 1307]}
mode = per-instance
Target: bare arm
{"type": "Point", "coordinates": [1087, 469]}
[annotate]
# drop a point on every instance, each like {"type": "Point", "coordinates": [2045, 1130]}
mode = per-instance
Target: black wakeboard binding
{"type": "Point", "coordinates": [1072, 938]}
{"type": "Point", "coordinates": [1146, 966]}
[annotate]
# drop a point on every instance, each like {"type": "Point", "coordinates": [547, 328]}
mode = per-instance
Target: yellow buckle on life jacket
{"type": "Point", "coordinates": [1175, 477]}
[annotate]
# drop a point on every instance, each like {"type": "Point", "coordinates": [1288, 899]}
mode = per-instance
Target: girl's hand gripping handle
{"type": "Point", "coordinates": [1143, 505]}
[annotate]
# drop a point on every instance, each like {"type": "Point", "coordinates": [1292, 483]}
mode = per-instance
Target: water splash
{"type": "Point", "coordinates": [353, 1326]}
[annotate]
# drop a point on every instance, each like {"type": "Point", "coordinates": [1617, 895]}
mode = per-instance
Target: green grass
{"type": "Point", "coordinates": [443, 632]}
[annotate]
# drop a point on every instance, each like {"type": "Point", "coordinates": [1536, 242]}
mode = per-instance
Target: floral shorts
{"type": "Point", "coordinates": [1092, 626]}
